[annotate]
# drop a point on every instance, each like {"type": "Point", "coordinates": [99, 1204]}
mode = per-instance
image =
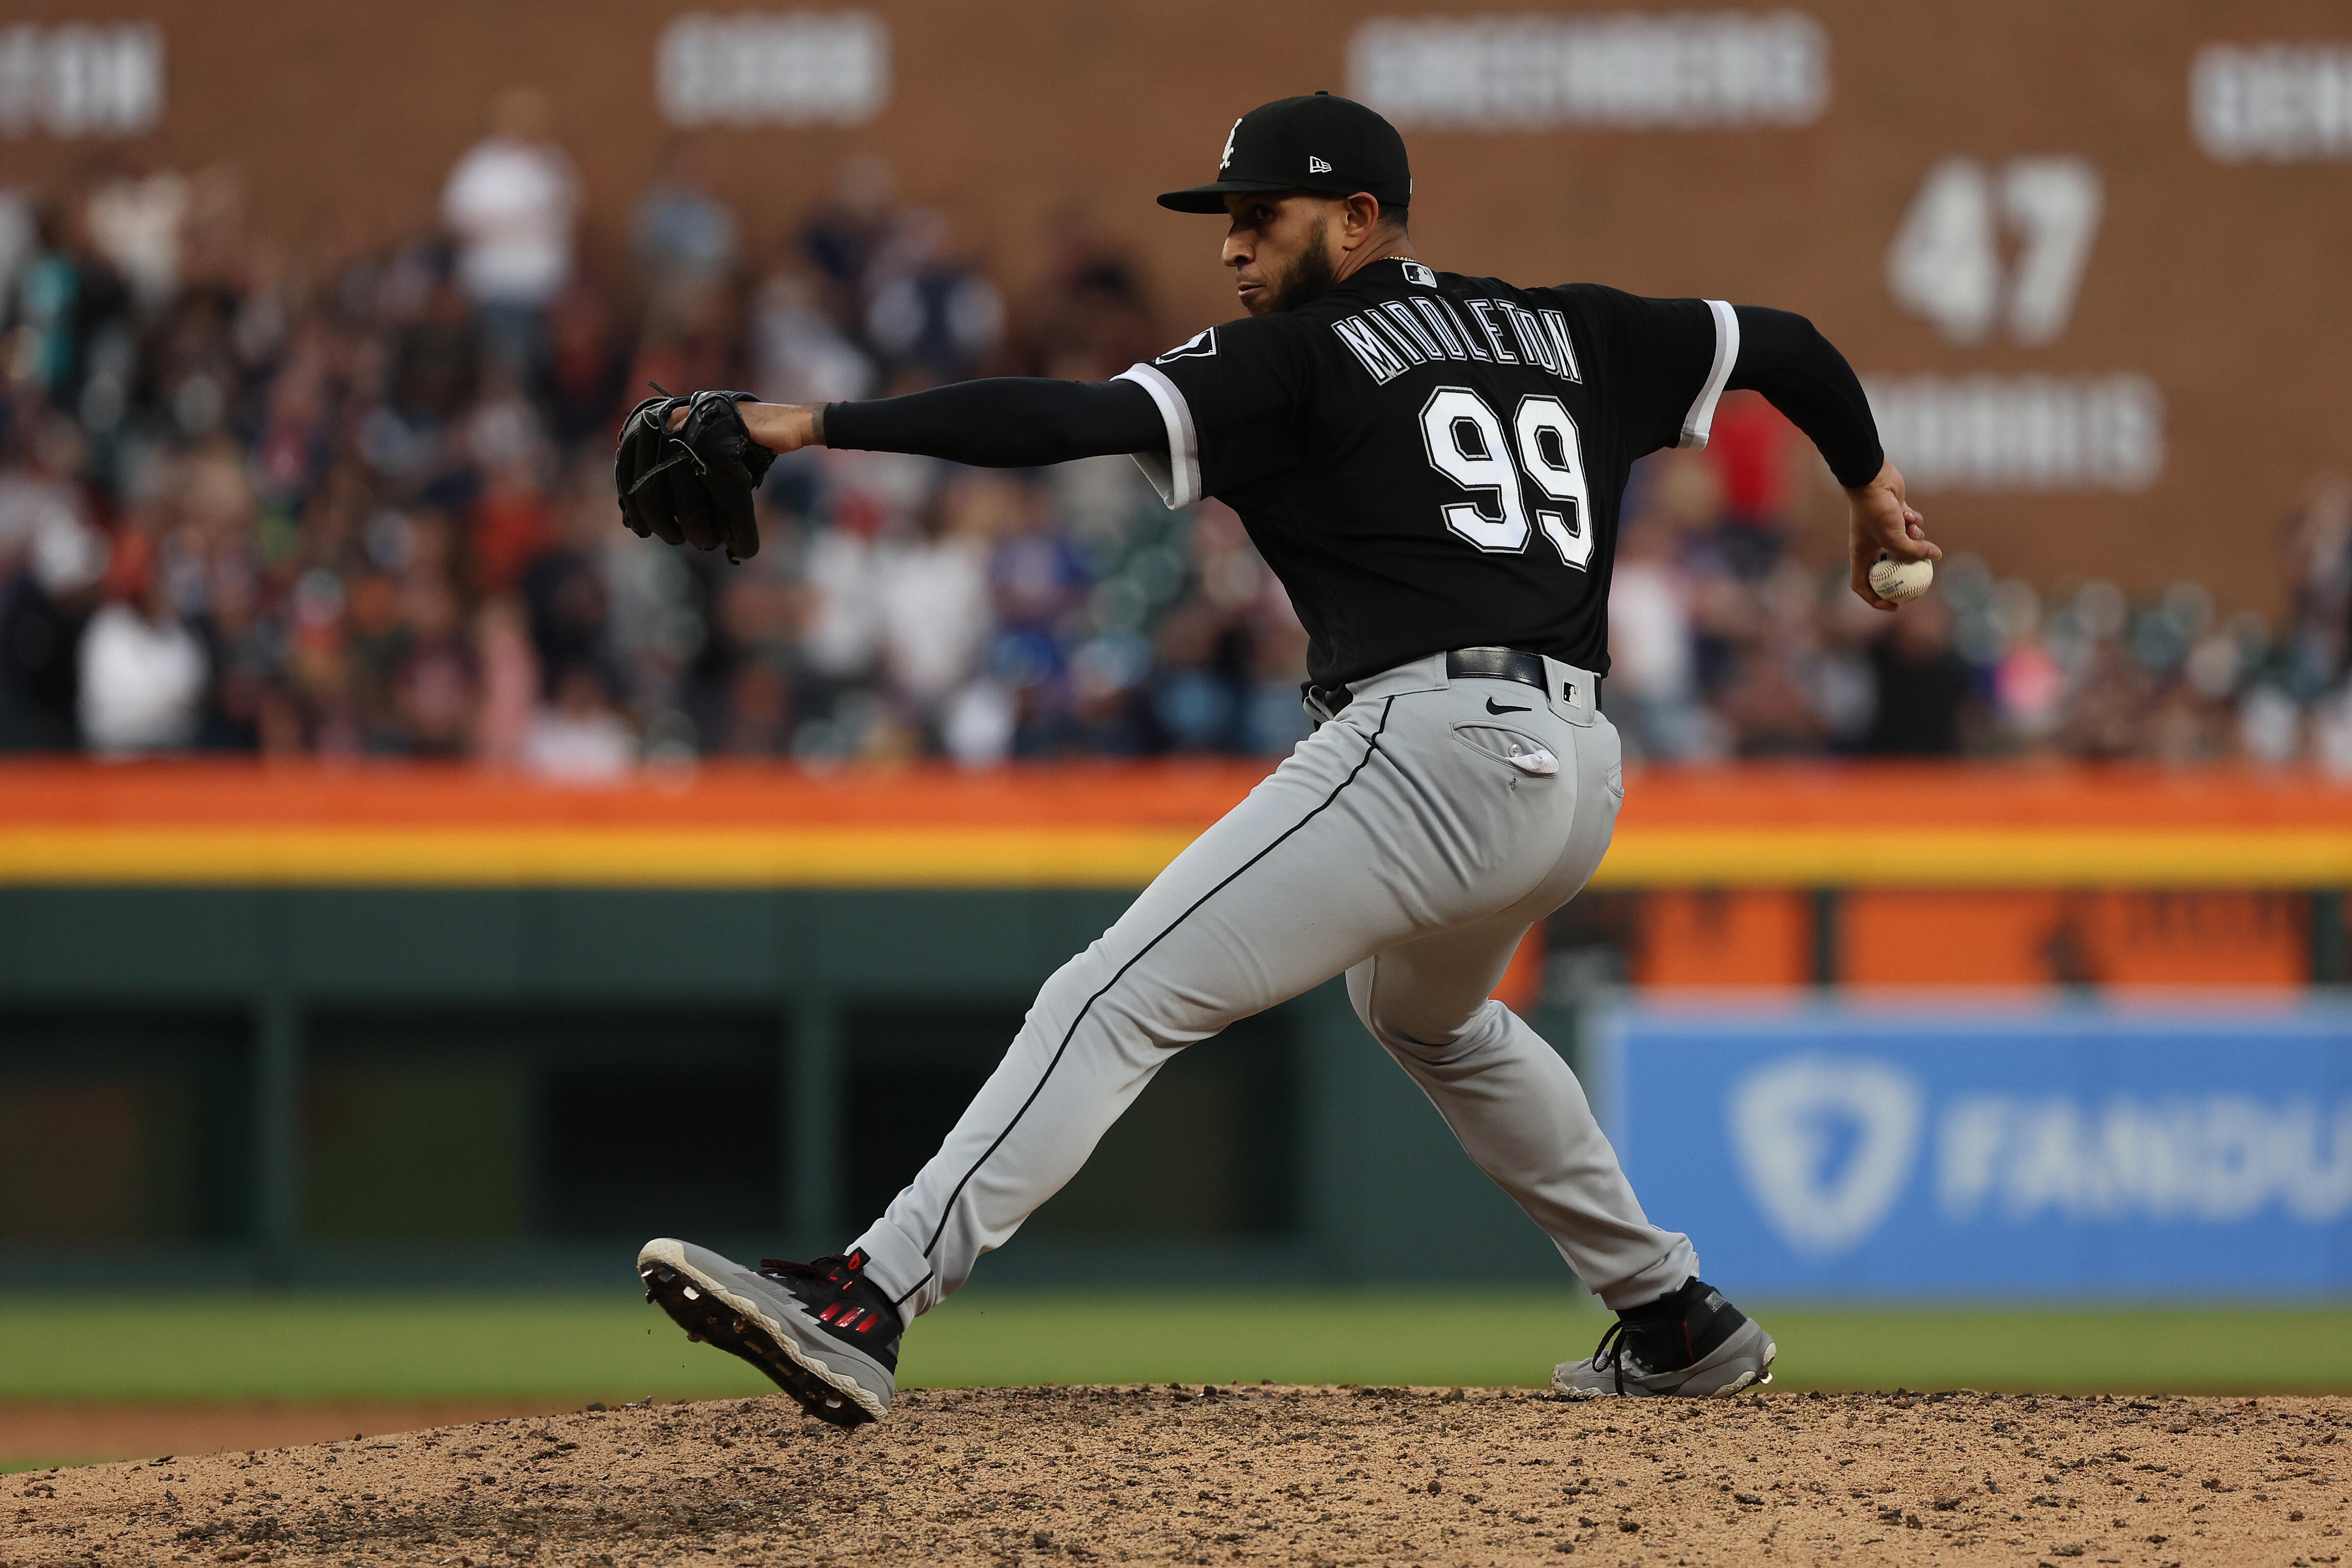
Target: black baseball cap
{"type": "Point", "coordinates": [1319, 142]}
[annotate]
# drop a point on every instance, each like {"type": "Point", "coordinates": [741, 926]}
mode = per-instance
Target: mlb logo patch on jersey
{"type": "Point", "coordinates": [1199, 346]}
{"type": "Point", "coordinates": [1416, 272]}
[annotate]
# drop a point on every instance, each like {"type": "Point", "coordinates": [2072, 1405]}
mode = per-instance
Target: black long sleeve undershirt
{"type": "Point", "coordinates": [1028, 422]}
{"type": "Point", "coordinates": [1003, 421]}
{"type": "Point", "coordinates": [1801, 373]}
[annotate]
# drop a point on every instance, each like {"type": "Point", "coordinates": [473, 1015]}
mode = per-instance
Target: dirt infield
{"type": "Point", "coordinates": [87, 1432]}
{"type": "Point", "coordinates": [1258, 1474]}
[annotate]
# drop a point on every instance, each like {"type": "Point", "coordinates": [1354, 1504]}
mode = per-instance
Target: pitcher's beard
{"type": "Point", "coordinates": [1313, 277]}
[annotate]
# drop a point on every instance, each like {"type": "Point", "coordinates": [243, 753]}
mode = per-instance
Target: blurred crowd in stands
{"type": "Point", "coordinates": [361, 505]}
{"type": "Point", "coordinates": [1725, 644]}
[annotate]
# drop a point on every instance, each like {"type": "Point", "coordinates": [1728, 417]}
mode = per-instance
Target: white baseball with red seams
{"type": "Point", "coordinates": [1900, 581]}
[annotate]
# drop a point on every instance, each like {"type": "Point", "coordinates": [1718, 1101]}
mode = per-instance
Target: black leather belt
{"type": "Point", "coordinates": [1498, 664]}
{"type": "Point", "coordinates": [1462, 664]}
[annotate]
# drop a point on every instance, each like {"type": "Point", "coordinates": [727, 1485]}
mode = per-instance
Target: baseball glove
{"type": "Point", "coordinates": [692, 485]}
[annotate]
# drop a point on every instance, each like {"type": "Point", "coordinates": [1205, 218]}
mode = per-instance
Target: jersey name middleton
{"type": "Point", "coordinates": [1429, 461]}
{"type": "Point", "coordinates": [1436, 328]}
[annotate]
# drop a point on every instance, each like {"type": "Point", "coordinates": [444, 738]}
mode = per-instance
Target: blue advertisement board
{"type": "Point", "coordinates": [1933, 1148]}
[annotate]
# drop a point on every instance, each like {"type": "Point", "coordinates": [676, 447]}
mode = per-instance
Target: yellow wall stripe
{"type": "Point", "coordinates": [1122, 857]}
{"type": "Point", "coordinates": [1981, 858]}
{"type": "Point", "coordinates": [598, 857]}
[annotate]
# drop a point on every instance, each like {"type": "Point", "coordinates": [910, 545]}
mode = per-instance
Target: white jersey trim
{"type": "Point", "coordinates": [1697, 423]}
{"type": "Point", "coordinates": [1177, 473]}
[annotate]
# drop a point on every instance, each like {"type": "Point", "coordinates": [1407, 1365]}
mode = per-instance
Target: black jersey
{"type": "Point", "coordinates": [1430, 461]}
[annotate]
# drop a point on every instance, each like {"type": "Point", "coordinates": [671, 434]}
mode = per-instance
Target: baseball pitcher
{"type": "Point", "coordinates": [1432, 463]}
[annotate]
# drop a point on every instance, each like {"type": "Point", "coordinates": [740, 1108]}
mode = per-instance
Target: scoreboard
{"type": "Point", "coordinates": [2088, 259]}
{"type": "Point", "coordinates": [2091, 259]}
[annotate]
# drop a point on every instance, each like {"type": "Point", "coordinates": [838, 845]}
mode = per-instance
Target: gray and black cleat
{"type": "Point", "coordinates": [1689, 1342]}
{"type": "Point", "coordinates": [826, 1335]}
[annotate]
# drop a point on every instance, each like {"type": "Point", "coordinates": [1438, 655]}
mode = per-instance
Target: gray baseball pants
{"type": "Point", "coordinates": [1409, 843]}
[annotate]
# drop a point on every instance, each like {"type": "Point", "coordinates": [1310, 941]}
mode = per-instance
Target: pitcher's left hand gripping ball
{"type": "Point", "coordinates": [692, 485]}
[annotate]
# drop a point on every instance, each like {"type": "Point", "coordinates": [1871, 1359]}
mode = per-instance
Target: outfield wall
{"type": "Point", "coordinates": [422, 1024]}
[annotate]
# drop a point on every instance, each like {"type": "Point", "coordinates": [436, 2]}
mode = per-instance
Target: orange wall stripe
{"type": "Point", "coordinates": [1857, 799]}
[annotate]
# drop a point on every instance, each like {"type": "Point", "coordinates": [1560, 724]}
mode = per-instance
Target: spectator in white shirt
{"type": "Point", "coordinates": [142, 677]}
{"type": "Point", "coordinates": [513, 204]}
{"type": "Point", "coordinates": [1652, 691]}
{"type": "Point", "coordinates": [934, 613]}
{"type": "Point", "coordinates": [580, 739]}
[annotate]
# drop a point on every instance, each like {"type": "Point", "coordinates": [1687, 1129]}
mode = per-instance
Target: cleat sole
{"type": "Point", "coordinates": [707, 1321]}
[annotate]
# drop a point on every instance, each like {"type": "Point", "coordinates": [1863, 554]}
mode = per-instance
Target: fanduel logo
{"type": "Point", "coordinates": [1828, 1146]}
{"type": "Point", "coordinates": [1789, 1121]}
{"type": "Point", "coordinates": [2213, 1157]}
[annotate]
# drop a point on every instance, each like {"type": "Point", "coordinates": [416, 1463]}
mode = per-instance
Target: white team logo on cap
{"type": "Point", "coordinates": [1226, 157]}
{"type": "Point", "coordinates": [1315, 165]}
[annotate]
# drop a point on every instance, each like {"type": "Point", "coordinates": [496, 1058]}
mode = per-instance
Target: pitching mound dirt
{"type": "Point", "coordinates": [86, 1432]}
{"type": "Point", "coordinates": [1255, 1474]}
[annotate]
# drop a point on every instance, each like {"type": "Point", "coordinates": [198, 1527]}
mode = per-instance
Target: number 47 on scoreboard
{"type": "Point", "coordinates": [1945, 263]}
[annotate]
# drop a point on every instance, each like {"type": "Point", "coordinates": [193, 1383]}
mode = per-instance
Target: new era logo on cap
{"type": "Point", "coordinates": [1315, 165]}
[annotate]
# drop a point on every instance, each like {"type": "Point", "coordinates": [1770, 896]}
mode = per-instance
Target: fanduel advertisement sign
{"type": "Point", "coordinates": [1934, 1150]}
